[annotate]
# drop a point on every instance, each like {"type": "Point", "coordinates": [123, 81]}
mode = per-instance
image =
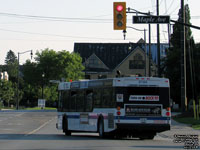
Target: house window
{"type": "Point", "coordinates": [137, 62]}
{"type": "Point", "coordinates": [93, 62]}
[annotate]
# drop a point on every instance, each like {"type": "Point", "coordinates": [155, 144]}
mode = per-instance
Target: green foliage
{"type": "Point", "coordinates": [188, 120]}
{"type": "Point", "coordinates": [7, 92]}
{"type": "Point", "coordinates": [11, 57]}
{"type": "Point", "coordinates": [50, 95]}
{"type": "Point", "coordinates": [11, 65]}
{"type": "Point", "coordinates": [1, 105]}
{"type": "Point", "coordinates": [172, 63]}
{"type": "Point", "coordinates": [57, 65]}
{"type": "Point", "coordinates": [54, 66]}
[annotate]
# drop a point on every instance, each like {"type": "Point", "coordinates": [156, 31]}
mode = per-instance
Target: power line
{"type": "Point", "coordinates": [69, 36]}
{"type": "Point", "coordinates": [52, 18]}
{"type": "Point", "coordinates": [172, 2]}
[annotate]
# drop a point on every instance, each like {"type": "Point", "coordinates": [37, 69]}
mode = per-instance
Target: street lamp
{"type": "Point", "coordinates": [145, 44]}
{"type": "Point", "coordinates": [43, 75]}
{"type": "Point", "coordinates": [17, 103]}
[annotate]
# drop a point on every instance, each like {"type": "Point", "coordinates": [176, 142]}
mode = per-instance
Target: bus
{"type": "Point", "coordinates": [125, 106]}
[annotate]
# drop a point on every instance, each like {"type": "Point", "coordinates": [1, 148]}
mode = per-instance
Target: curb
{"type": "Point", "coordinates": [7, 110]}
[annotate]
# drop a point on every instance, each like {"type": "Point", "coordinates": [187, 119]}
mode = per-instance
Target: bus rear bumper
{"type": "Point", "coordinates": [143, 127]}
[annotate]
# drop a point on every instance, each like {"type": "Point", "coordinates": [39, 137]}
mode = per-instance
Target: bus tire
{"type": "Point", "coordinates": [147, 137]}
{"type": "Point", "coordinates": [65, 127]}
{"type": "Point", "coordinates": [101, 128]}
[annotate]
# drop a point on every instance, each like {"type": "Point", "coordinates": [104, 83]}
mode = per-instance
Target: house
{"type": "Point", "coordinates": [4, 75]}
{"type": "Point", "coordinates": [107, 60]}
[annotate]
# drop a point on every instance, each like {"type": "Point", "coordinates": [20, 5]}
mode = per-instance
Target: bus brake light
{"type": "Point", "coordinates": [118, 113]}
{"type": "Point", "coordinates": [168, 114]}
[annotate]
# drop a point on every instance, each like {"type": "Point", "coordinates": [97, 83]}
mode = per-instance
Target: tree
{"type": "Point", "coordinates": [57, 65]}
{"type": "Point", "coordinates": [11, 65]}
{"type": "Point", "coordinates": [54, 66]}
{"type": "Point", "coordinates": [172, 62]}
{"type": "Point", "coordinates": [7, 92]}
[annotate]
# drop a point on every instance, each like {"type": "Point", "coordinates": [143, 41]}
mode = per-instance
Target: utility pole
{"type": "Point", "coordinates": [183, 59]}
{"type": "Point", "coordinates": [149, 50]}
{"type": "Point", "coordinates": [17, 103]}
{"type": "Point", "coordinates": [18, 72]}
{"type": "Point", "coordinates": [158, 41]}
{"type": "Point", "coordinates": [145, 47]}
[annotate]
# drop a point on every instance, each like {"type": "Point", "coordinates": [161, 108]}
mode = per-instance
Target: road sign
{"type": "Point", "coordinates": [151, 19]}
{"type": "Point", "coordinates": [41, 103]}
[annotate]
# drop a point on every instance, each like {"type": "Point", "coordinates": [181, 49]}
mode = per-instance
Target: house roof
{"type": "Point", "coordinates": [112, 54]}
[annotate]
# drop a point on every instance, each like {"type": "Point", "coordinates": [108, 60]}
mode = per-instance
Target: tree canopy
{"type": "Point", "coordinates": [172, 62]}
{"type": "Point", "coordinates": [50, 65]}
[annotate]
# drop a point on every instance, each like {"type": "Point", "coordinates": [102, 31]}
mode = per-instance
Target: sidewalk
{"type": "Point", "coordinates": [180, 129]}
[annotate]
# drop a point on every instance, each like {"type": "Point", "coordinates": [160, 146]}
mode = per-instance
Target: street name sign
{"type": "Point", "coordinates": [151, 19]}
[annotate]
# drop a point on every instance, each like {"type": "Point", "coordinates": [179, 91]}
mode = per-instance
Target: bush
{"type": "Point", "coordinates": [1, 105]}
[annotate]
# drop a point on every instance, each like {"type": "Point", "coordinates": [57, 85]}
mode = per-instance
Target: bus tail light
{"type": "Point", "coordinates": [118, 113]}
{"type": "Point", "coordinates": [168, 114]}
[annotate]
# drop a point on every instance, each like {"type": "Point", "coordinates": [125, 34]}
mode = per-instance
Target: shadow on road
{"type": "Point", "coordinates": [45, 137]}
{"type": "Point", "coordinates": [158, 147]}
{"type": "Point", "coordinates": [54, 137]}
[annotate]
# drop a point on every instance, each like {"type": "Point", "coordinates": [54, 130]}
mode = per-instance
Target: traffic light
{"type": "Point", "coordinates": [119, 14]}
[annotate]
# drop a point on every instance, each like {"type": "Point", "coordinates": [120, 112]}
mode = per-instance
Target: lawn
{"type": "Point", "coordinates": [38, 108]}
{"type": "Point", "coordinates": [188, 120]}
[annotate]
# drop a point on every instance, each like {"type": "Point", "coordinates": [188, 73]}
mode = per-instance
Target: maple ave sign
{"type": "Point", "coordinates": [151, 19]}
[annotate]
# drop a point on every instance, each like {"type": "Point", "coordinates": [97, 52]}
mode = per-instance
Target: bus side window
{"type": "Point", "coordinates": [80, 101]}
{"type": "Point", "coordinates": [60, 102]}
{"type": "Point", "coordinates": [97, 98]}
{"type": "Point", "coordinates": [65, 100]}
{"type": "Point", "coordinates": [89, 101]}
{"type": "Point", "coordinates": [73, 101]}
{"type": "Point", "coordinates": [107, 98]}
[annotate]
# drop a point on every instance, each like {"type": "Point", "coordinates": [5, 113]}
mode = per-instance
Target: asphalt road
{"type": "Point", "coordinates": [37, 131]}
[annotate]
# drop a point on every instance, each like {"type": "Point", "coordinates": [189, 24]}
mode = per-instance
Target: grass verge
{"type": "Point", "coordinates": [195, 124]}
{"type": "Point", "coordinates": [38, 108]}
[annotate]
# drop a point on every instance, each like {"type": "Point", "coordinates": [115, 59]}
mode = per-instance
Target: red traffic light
{"type": "Point", "coordinates": [119, 15]}
{"type": "Point", "coordinates": [119, 8]}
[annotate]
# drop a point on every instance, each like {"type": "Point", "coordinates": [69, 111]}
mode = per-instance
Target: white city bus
{"type": "Point", "coordinates": [126, 106]}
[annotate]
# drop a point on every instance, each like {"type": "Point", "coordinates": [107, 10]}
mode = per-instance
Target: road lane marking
{"type": "Point", "coordinates": [7, 129]}
{"type": "Point", "coordinates": [32, 132]}
{"type": "Point", "coordinates": [19, 114]}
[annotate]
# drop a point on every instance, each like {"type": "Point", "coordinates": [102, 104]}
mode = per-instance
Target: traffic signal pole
{"type": "Point", "coordinates": [158, 42]}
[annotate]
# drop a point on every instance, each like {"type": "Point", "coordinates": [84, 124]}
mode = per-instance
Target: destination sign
{"type": "Point", "coordinates": [151, 19]}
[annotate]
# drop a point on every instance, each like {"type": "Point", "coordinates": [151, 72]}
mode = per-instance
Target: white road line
{"type": "Point", "coordinates": [39, 128]}
{"type": "Point", "coordinates": [19, 114]}
{"type": "Point", "coordinates": [7, 129]}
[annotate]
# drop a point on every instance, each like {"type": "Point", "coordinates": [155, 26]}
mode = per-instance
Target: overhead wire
{"type": "Point", "coordinates": [67, 36]}
{"type": "Point", "coordinates": [52, 18]}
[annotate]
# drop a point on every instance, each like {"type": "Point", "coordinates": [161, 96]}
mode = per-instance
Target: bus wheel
{"type": "Point", "coordinates": [148, 137]}
{"type": "Point", "coordinates": [65, 127]}
{"type": "Point", "coordinates": [101, 128]}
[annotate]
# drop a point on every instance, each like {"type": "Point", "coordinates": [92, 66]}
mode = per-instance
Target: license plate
{"type": "Point", "coordinates": [143, 120]}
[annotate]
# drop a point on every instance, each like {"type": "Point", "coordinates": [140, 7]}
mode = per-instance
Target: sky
{"type": "Point", "coordinates": [58, 24]}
